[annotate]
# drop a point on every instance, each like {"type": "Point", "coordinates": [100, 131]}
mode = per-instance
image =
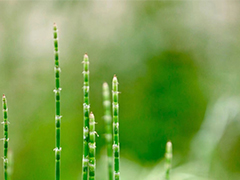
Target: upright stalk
{"type": "Point", "coordinates": [92, 147]}
{"type": "Point", "coordinates": [86, 108]}
{"type": "Point", "coordinates": [57, 91]}
{"type": "Point", "coordinates": [108, 128]}
{"type": "Point", "coordinates": [5, 137]}
{"type": "Point", "coordinates": [168, 157]}
{"type": "Point", "coordinates": [116, 145]}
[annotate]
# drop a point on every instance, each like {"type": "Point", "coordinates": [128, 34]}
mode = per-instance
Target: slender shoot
{"type": "Point", "coordinates": [86, 109]}
{"type": "Point", "coordinates": [5, 137]}
{"type": "Point", "coordinates": [108, 128]}
{"type": "Point", "coordinates": [168, 157]}
{"type": "Point", "coordinates": [92, 147]}
{"type": "Point", "coordinates": [116, 145]}
{"type": "Point", "coordinates": [57, 92]}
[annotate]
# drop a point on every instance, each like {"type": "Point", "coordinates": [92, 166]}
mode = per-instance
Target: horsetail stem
{"type": "Point", "coordinates": [86, 108]}
{"type": "Point", "coordinates": [116, 145]}
{"type": "Point", "coordinates": [5, 137]}
{"type": "Point", "coordinates": [92, 147]}
{"type": "Point", "coordinates": [57, 91]}
{"type": "Point", "coordinates": [108, 128]}
{"type": "Point", "coordinates": [168, 157]}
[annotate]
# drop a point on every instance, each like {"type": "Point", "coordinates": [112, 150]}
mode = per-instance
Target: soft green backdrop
{"type": "Point", "coordinates": [178, 67]}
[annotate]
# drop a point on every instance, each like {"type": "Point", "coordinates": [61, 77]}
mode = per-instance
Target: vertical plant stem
{"type": "Point", "coordinates": [57, 92]}
{"type": "Point", "coordinates": [86, 109]}
{"type": "Point", "coordinates": [92, 147]}
{"type": "Point", "coordinates": [116, 145]}
{"type": "Point", "coordinates": [5, 137]}
{"type": "Point", "coordinates": [168, 157]}
{"type": "Point", "coordinates": [108, 128]}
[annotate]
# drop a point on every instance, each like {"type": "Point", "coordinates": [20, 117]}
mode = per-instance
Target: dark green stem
{"type": "Point", "coordinates": [108, 128]}
{"type": "Point", "coordinates": [5, 137]}
{"type": "Point", "coordinates": [86, 109]}
{"type": "Point", "coordinates": [57, 92]}
{"type": "Point", "coordinates": [116, 145]}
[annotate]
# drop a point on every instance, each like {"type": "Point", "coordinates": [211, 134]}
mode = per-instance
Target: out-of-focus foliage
{"type": "Point", "coordinates": [178, 67]}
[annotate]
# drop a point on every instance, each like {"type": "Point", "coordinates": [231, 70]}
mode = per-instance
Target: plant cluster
{"type": "Point", "coordinates": [111, 120]}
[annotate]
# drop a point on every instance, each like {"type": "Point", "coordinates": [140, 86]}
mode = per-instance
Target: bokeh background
{"type": "Point", "coordinates": [178, 68]}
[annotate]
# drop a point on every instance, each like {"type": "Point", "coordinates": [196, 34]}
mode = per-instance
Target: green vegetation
{"type": "Point", "coordinates": [108, 128]}
{"type": "Point", "coordinates": [86, 109]}
{"type": "Point", "coordinates": [58, 116]}
{"type": "Point", "coordinates": [168, 156]}
{"type": "Point", "coordinates": [5, 136]}
{"type": "Point", "coordinates": [92, 147]}
{"type": "Point", "coordinates": [116, 144]}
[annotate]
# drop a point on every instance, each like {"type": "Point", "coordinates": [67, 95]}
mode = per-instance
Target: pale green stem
{"type": "Point", "coordinates": [108, 128]}
{"type": "Point", "coordinates": [86, 109]}
{"type": "Point", "coordinates": [168, 157]}
{"type": "Point", "coordinates": [92, 147]}
{"type": "Point", "coordinates": [116, 145]}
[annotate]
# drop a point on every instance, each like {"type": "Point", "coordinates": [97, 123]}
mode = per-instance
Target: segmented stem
{"type": "Point", "coordinates": [92, 147]}
{"type": "Point", "coordinates": [5, 137]}
{"type": "Point", "coordinates": [108, 128]}
{"type": "Point", "coordinates": [168, 157]}
{"type": "Point", "coordinates": [116, 145]}
{"type": "Point", "coordinates": [57, 92]}
{"type": "Point", "coordinates": [86, 109]}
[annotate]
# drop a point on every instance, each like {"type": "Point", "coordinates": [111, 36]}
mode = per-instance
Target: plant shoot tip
{"type": "Point", "coordinates": [91, 115]}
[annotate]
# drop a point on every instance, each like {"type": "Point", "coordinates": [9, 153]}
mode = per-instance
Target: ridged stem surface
{"type": "Point", "coordinates": [108, 128]}
{"type": "Point", "coordinates": [86, 109]}
{"type": "Point", "coordinates": [5, 137]}
{"type": "Point", "coordinates": [168, 157]}
{"type": "Point", "coordinates": [92, 147]}
{"type": "Point", "coordinates": [116, 145]}
{"type": "Point", "coordinates": [57, 92]}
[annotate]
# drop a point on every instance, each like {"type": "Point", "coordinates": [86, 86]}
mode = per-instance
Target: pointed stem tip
{"type": "Point", "coordinates": [91, 115]}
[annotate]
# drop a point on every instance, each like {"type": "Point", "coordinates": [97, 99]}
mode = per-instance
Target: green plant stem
{"type": "Point", "coordinates": [92, 147]}
{"type": "Point", "coordinates": [5, 137]}
{"type": "Point", "coordinates": [116, 145]}
{"type": "Point", "coordinates": [57, 92]}
{"type": "Point", "coordinates": [108, 128]}
{"type": "Point", "coordinates": [86, 109]}
{"type": "Point", "coordinates": [168, 157]}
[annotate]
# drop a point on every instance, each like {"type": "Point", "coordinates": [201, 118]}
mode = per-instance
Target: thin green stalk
{"type": "Point", "coordinates": [116, 145]}
{"type": "Point", "coordinates": [5, 137]}
{"type": "Point", "coordinates": [168, 157]}
{"type": "Point", "coordinates": [57, 92]}
{"type": "Point", "coordinates": [108, 128]}
{"type": "Point", "coordinates": [92, 147]}
{"type": "Point", "coordinates": [86, 109]}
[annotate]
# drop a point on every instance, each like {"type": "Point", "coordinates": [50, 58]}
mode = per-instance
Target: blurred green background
{"type": "Point", "coordinates": [177, 64]}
